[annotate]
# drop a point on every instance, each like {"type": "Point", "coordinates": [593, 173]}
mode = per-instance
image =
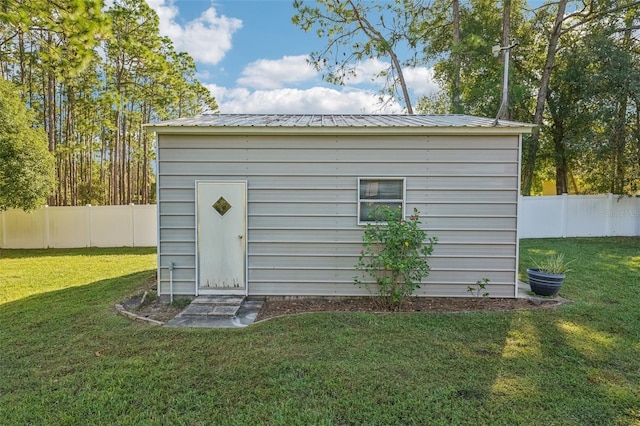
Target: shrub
{"type": "Point", "coordinates": [394, 254]}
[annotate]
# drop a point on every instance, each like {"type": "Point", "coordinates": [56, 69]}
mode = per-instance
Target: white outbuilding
{"type": "Point", "coordinates": [274, 205]}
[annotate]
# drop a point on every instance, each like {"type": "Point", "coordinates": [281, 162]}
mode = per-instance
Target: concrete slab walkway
{"type": "Point", "coordinates": [217, 312]}
{"type": "Point", "coordinates": [524, 292]}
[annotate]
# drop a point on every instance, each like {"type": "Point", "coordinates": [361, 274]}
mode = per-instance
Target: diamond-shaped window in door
{"type": "Point", "coordinates": [221, 206]}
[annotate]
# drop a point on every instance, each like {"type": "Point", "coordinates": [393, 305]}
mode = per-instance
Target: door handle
{"type": "Point", "coordinates": [240, 236]}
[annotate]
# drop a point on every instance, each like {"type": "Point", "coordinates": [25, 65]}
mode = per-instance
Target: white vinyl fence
{"type": "Point", "coordinates": [135, 226]}
{"type": "Point", "coordinates": [87, 226]}
{"type": "Point", "coordinates": [579, 216]}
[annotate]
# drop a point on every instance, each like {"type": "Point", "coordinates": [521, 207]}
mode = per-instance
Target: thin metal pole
{"type": "Point", "coordinates": [505, 82]}
{"type": "Point", "coordinates": [171, 266]}
{"type": "Point", "coordinates": [505, 79]}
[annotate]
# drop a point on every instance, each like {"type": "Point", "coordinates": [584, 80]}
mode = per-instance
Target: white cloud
{"type": "Point", "coordinates": [207, 38]}
{"type": "Point", "coordinates": [420, 80]}
{"type": "Point", "coordinates": [264, 86]}
{"type": "Point", "coordinates": [262, 89]}
{"type": "Point", "coordinates": [315, 100]}
{"type": "Point", "coordinates": [366, 73]}
{"type": "Point", "coordinates": [273, 74]}
{"type": "Point", "coordinates": [277, 73]}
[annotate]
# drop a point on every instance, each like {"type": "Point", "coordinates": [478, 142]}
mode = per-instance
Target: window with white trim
{"type": "Point", "coordinates": [374, 192]}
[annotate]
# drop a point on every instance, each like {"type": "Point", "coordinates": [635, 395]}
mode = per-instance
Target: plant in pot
{"type": "Point", "coordinates": [548, 275]}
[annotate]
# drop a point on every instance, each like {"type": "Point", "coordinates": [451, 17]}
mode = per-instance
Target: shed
{"type": "Point", "coordinates": [274, 205]}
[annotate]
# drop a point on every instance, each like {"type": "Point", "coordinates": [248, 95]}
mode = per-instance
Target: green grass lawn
{"type": "Point", "coordinates": [67, 358]}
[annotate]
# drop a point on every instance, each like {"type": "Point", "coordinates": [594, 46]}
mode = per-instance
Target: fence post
{"type": "Point", "coordinates": [4, 230]}
{"type": "Point", "coordinates": [609, 214]}
{"type": "Point", "coordinates": [47, 235]}
{"type": "Point", "coordinates": [133, 225]}
{"type": "Point", "coordinates": [88, 219]}
{"type": "Point", "coordinates": [565, 215]}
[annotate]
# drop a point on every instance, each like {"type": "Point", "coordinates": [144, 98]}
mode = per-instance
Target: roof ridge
{"type": "Point", "coordinates": [340, 120]}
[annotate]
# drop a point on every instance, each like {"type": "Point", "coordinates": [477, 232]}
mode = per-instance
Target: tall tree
{"type": "Point", "coordinates": [532, 142]}
{"type": "Point", "coordinates": [463, 63]}
{"type": "Point", "coordinates": [569, 113]}
{"type": "Point", "coordinates": [356, 30]}
{"type": "Point", "coordinates": [93, 79]}
{"type": "Point", "coordinates": [26, 166]}
{"type": "Point", "coordinates": [47, 45]}
{"type": "Point", "coordinates": [588, 15]}
{"type": "Point", "coordinates": [146, 80]}
{"type": "Point", "coordinates": [506, 41]}
{"type": "Point", "coordinates": [457, 102]}
{"type": "Point", "coordinates": [585, 136]}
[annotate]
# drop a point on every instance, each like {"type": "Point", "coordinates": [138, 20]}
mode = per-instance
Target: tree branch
{"type": "Point", "coordinates": [372, 33]}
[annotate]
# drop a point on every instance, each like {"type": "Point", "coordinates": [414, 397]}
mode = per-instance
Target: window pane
{"type": "Point", "coordinates": [381, 189]}
{"type": "Point", "coordinates": [367, 208]}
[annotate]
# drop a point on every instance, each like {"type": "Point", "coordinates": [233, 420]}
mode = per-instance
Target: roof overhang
{"type": "Point", "coordinates": [310, 131]}
{"type": "Point", "coordinates": [337, 124]}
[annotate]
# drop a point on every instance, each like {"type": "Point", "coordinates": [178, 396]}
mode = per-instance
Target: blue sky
{"type": "Point", "coordinates": [253, 59]}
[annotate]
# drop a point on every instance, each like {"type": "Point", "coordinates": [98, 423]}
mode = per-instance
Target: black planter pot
{"type": "Point", "coordinates": [544, 284]}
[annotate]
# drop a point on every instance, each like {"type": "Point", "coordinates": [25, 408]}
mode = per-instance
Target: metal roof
{"type": "Point", "coordinates": [338, 121]}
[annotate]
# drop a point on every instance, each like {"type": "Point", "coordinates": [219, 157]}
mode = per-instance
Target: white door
{"type": "Point", "coordinates": [222, 241]}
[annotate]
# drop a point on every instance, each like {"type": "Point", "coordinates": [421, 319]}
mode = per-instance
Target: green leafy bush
{"type": "Point", "coordinates": [394, 255]}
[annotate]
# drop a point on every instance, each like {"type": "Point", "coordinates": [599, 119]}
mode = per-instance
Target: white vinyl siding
{"type": "Point", "coordinates": [303, 232]}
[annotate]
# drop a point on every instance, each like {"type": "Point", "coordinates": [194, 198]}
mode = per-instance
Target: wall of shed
{"type": "Point", "coordinates": [303, 237]}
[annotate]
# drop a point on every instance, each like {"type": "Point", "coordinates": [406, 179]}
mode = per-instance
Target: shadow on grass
{"type": "Point", "coordinates": [592, 346]}
{"type": "Point", "coordinates": [563, 372]}
{"type": "Point", "coordinates": [67, 357]}
{"type": "Point", "coordinates": [65, 311]}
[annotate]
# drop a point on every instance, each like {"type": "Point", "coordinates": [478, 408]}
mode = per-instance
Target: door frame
{"type": "Point", "coordinates": [230, 292]}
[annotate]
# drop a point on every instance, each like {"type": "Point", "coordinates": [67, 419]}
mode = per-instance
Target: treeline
{"type": "Point", "coordinates": [94, 76]}
{"type": "Point", "coordinates": [575, 73]}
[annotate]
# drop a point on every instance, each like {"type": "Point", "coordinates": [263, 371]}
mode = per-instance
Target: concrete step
{"type": "Point", "coordinates": [218, 300]}
{"type": "Point", "coordinates": [245, 316]}
{"type": "Point", "coordinates": [213, 306]}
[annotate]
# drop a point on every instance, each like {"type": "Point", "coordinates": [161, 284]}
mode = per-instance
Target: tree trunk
{"type": "Point", "coordinates": [145, 160]}
{"type": "Point", "coordinates": [103, 168]}
{"type": "Point", "coordinates": [403, 84]}
{"type": "Point", "coordinates": [90, 174]}
{"type": "Point", "coordinates": [506, 41]}
{"type": "Point", "coordinates": [557, 132]}
{"type": "Point", "coordinates": [562, 182]}
{"type": "Point", "coordinates": [123, 161]}
{"type": "Point", "coordinates": [456, 102]}
{"type": "Point", "coordinates": [23, 71]}
{"type": "Point", "coordinates": [619, 144]}
{"type": "Point", "coordinates": [115, 152]}
{"type": "Point", "coordinates": [620, 130]}
{"type": "Point", "coordinates": [533, 142]}
{"type": "Point", "coordinates": [374, 34]}
{"type": "Point", "coordinates": [50, 120]}
{"type": "Point", "coordinates": [636, 133]}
